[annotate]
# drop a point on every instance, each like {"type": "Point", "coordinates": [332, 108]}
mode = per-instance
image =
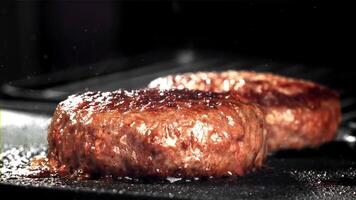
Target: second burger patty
{"type": "Point", "coordinates": [298, 113]}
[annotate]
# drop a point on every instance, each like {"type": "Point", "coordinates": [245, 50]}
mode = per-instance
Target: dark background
{"type": "Point", "coordinates": [39, 37]}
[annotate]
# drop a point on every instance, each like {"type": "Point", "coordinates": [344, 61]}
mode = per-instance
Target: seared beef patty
{"type": "Point", "coordinates": [177, 133]}
{"type": "Point", "coordinates": [298, 113]}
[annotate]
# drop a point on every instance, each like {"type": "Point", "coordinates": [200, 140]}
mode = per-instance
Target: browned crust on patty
{"type": "Point", "coordinates": [157, 133]}
{"type": "Point", "coordinates": [298, 113]}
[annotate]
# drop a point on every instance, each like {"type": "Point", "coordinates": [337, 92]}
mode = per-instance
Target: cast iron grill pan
{"type": "Point", "coordinates": [325, 172]}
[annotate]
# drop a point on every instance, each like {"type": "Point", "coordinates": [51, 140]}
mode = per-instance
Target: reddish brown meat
{"type": "Point", "coordinates": [298, 113]}
{"type": "Point", "coordinates": [156, 133]}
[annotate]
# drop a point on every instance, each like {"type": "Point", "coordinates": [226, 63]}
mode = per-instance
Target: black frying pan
{"type": "Point", "coordinates": [325, 172]}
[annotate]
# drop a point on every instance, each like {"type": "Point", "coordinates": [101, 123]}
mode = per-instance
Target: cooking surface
{"type": "Point", "coordinates": [327, 172]}
{"type": "Point", "coordinates": [309, 174]}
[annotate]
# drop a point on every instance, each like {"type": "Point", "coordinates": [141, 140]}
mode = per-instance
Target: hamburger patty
{"type": "Point", "coordinates": [178, 133]}
{"type": "Point", "coordinates": [298, 113]}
